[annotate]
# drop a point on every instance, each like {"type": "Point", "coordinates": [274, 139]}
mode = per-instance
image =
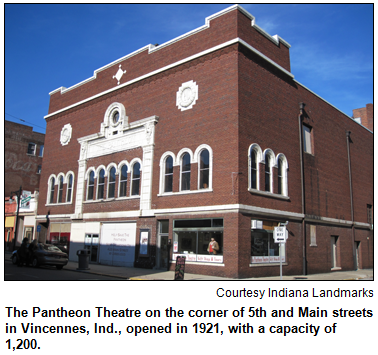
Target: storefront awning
{"type": "Point", "coordinates": [9, 222]}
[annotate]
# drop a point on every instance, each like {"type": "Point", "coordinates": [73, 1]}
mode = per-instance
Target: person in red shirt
{"type": "Point", "coordinates": [213, 247]}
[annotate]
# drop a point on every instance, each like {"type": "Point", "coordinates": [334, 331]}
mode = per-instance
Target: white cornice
{"type": "Point", "coordinates": [233, 208]}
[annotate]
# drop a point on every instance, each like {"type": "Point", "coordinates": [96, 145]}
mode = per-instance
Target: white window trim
{"type": "Point", "coordinates": [285, 167]}
{"type": "Point", "coordinates": [256, 148]}
{"type": "Point", "coordinates": [73, 184]}
{"type": "Point", "coordinates": [120, 166]}
{"type": "Point", "coordinates": [108, 128]}
{"type": "Point", "coordinates": [110, 166]}
{"type": "Point", "coordinates": [272, 156]}
{"type": "Point", "coordinates": [60, 175]}
{"type": "Point", "coordinates": [49, 189]}
{"type": "Point", "coordinates": [97, 176]}
{"type": "Point", "coordinates": [197, 156]}
{"type": "Point", "coordinates": [91, 169]}
{"type": "Point", "coordinates": [132, 163]}
{"type": "Point", "coordinates": [180, 155]}
{"type": "Point", "coordinates": [162, 171]}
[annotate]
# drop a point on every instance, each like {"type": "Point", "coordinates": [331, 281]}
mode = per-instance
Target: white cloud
{"type": "Point", "coordinates": [327, 65]}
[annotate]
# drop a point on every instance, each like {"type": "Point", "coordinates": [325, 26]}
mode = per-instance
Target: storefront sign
{"type": "Point", "coordinates": [200, 258]}
{"type": "Point", "coordinates": [143, 242]}
{"type": "Point", "coordinates": [175, 247]}
{"type": "Point", "coordinates": [180, 268]}
{"type": "Point", "coordinates": [25, 199]}
{"type": "Point", "coordinates": [117, 244]}
{"type": "Point", "coordinates": [266, 259]}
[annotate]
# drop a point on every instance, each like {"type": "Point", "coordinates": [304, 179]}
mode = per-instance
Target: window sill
{"type": "Point", "coordinates": [113, 199]}
{"type": "Point", "coordinates": [185, 192]}
{"type": "Point", "coordinates": [30, 155]}
{"type": "Point", "coordinates": [268, 194]}
{"type": "Point", "coordinates": [337, 268]}
{"type": "Point", "coordinates": [58, 204]}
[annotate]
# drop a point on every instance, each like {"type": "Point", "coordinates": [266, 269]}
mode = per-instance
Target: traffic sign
{"type": "Point", "coordinates": [280, 234]}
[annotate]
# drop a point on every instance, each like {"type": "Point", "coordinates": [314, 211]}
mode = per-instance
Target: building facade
{"type": "Point", "coordinates": [207, 137]}
{"type": "Point", "coordinates": [23, 157]}
{"type": "Point", "coordinates": [23, 153]}
{"type": "Point", "coordinates": [365, 116]}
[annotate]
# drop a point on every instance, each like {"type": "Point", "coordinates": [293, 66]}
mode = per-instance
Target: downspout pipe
{"type": "Point", "coordinates": [301, 155]}
{"type": "Point", "coordinates": [348, 133]}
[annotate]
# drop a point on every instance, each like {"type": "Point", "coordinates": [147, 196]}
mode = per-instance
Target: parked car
{"type": "Point", "coordinates": [14, 257]}
{"type": "Point", "coordinates": [45, 254]}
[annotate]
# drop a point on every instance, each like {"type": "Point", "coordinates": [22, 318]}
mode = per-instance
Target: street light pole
{"type": "Point", "coordinates": [18, 194]}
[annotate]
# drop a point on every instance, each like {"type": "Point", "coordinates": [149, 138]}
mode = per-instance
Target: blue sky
{"type": "Point", "coordinates": [49, 46]}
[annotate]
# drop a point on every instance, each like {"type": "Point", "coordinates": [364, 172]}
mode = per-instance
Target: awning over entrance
{"type": "Point", "coordinates": [9, 222]}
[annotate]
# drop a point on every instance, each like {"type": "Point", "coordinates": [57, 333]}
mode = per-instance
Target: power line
{"type": "Point", "coordinates": [25, 121]}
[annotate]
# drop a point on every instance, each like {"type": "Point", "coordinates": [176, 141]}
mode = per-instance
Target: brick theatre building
{"type": "Point", "coordinates": [207, 136]}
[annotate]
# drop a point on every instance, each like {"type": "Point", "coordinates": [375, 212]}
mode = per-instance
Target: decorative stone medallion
{"type": "Point", "coordinates": [187, 95]}
{"type": "Point", "coordinates": [119, 74]}
{"type": "Point", "coordinates": [65, 134]}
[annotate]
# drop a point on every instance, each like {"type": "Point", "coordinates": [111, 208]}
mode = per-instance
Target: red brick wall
{"type": "Point", "coordinates": [222, 29]}
{"type": "Point", "coordinates": [367, 116]}
{"type": "Point", "coordinates": [21, 168]}
{"type": "Point", "coordinates": [242, 100]}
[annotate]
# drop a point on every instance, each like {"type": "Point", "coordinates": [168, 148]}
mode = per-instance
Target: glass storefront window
{"type": "Point", "coordinates": [263, 247]}
{"type": "Point", "coordinates": [187, 242]}
{"type": "Point", "coordinates": [191, 237]}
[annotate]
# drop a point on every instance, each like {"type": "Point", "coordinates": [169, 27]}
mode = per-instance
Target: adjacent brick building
{"type": "Point", "coordinates": [207, 136]}
{"type": "Point", "coordinates": [23, 157]}
{"type": "Point", "coordinates": [365, 116]}
{"type": "Point", "coordinates": [23, 150]}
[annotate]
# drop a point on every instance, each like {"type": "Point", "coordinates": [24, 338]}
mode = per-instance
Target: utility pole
{"type": "Point", "coordinates": [18, 194]}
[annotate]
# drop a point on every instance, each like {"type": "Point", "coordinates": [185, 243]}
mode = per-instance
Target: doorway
{"type": "Point", "coordinates": [357, 250]}
{"type": "Point", "coordinates": [91, 243]}
{"type": "Point", "coordinates": [163, 245]}
{"type": "Point", "coordinates": [334, 259]}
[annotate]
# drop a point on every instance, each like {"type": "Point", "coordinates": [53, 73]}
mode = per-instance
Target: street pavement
{"type": "Point", "coordinates": [128, 273]}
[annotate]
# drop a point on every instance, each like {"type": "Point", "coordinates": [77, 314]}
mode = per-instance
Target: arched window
{"type": "Point", "coordinates": [60, 190]}
{"type": "Point", "coordinates": [123, 181]}
{"type": "Point", "coordinates": [268, 174]}
{"type": "Point", "coordinates": [135, 180]}
{"type": "Point", "coordinates": [69, 187]}
{"type": "Point", "coordinates": [185, 172]}
{"type": "Point", "coordinates": [255, 157]}
{"type": "Point", "coordinates": [204, 169]}
{"type": "Point", "coordinates": [253, 169]}
{"type": "Point", "coordinates": [282, 166]}
{"type": "Point", "coordinates": [100, 184]}
{"type": "Point", "coordinates": [168, 175]}
{"type": "Point", "coordinates": [280, 177]}
{"type": "Point", "coordinates": [90, 186]}
{"type": "Point", "coordinates": [52, 189]}
{"type": "Point", "coordinates": [111, 182]}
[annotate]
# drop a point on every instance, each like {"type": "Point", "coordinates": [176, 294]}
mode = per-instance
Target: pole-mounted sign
{"type": "Point", "coordinates": [280, 235]}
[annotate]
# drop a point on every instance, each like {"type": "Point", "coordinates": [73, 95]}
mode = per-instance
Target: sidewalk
{"type": "Point", "coordinates": [129, 273]}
